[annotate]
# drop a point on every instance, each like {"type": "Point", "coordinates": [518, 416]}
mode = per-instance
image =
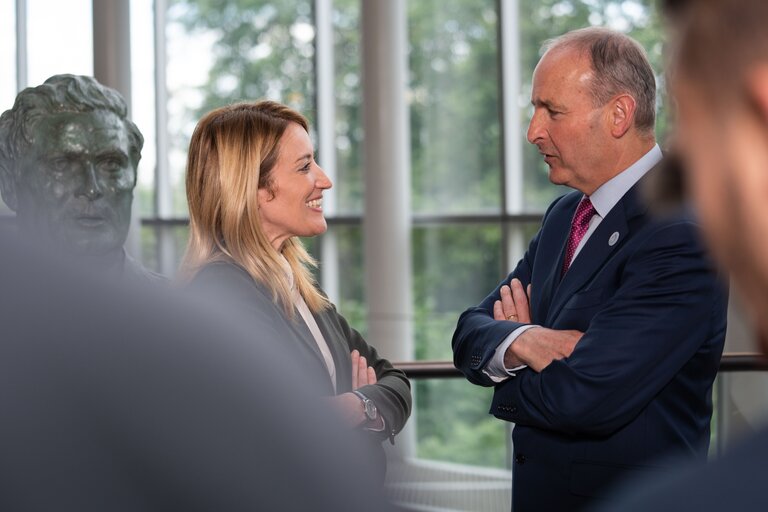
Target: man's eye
{"type": "Point", "coordinates": [553, 113]}
{"type": "Point", "coordinates": [112, 165]}
{"type": "Point", "coordinates": [59, 164]}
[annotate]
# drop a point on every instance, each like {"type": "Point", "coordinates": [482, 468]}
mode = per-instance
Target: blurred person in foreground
{"type": "Point", "coordinates": [719, 79]}
{"type": "Point", "coordinates": [118, 397]}
{"type": "Point", "coordinates": [68, 160]}
{"type": "Point", "coordinates": [253, 188]}
{"type": "Point", "coordinates": [604, 342]}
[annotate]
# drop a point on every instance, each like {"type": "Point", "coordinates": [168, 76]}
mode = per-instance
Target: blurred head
{"type": "Point", "coordinates": [594, 97]}
{"type": "Point", "coordinates": [68, 159]}
{"type": "Point", "coordinates": [719, 78]}
{"type": "Point", "coordinates": [253, 186]}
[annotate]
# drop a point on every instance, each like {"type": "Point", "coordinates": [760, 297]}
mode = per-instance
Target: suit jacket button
{"type": "Point", "coordinates": [520, 458]}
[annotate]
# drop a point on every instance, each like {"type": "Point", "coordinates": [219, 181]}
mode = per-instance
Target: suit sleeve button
{"type": "Point", "coordinates": [520, 458]}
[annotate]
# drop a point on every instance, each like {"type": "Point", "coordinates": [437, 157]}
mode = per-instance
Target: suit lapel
{"type": "Point", "coordinates": [339, 352]}
{"type": "Point", "coordinates": [549, 257]}
{"type": "Point", "coordinates": [609, 236]}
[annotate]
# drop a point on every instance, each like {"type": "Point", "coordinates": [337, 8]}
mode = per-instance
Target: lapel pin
{"type": "Point", "coordinates": [614, 238]}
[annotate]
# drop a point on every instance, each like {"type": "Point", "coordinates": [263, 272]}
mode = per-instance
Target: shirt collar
{"type": "Point", "coordinates": [287, 270]}
{"type": "Point", "coordinates": [611, 192]}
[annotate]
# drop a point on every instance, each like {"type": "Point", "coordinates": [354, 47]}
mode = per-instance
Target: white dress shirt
{"type": "Point", "coordinates": [603, 199]}
{"type": "Point", "coordinates": [314, 329]}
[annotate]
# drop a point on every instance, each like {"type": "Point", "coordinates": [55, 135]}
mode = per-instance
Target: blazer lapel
{"type": "Point", "coordinates": [609, 236]}
{"type": "Point", "coordinates": [549, 258]}
{"type": "Point", "coordinates": [339, 352]}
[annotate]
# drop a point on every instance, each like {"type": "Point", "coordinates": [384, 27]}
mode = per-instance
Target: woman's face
{"type": "Point", "coordinates": [293, 204]}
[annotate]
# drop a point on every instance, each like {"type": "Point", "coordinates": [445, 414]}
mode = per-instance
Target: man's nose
{"type": "Point", "coordinates": [535, 128]}
{"type": "Point", "coordinates": [89, 187]}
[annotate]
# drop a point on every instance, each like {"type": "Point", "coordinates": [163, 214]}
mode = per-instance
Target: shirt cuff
{"type": "Point", "coordinates": [495, 368]}
{"type": "Point", "coordinates": [379, 426]}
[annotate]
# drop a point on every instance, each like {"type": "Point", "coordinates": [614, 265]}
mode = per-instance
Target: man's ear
{"type": "Point", "coordinates": [7, 186]}
{"type": "Point", "coordinates": [757, 89]}
{"type": "Point", "coordinates": [622, 114]}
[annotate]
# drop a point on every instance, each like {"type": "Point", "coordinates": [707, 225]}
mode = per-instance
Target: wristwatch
{"type": "Point", "coordinates": [371, 412]}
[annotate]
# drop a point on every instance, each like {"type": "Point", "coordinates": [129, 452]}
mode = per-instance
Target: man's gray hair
{"type": "Point", "coordinates": [59, 94]}
{"type": "Point", "coordinates": [619, 64]}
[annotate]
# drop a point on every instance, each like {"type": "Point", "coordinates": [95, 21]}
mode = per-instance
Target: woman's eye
{"type": "Point", "coordinates": [306, 168]}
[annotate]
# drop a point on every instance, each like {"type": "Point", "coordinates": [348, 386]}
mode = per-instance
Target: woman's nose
{"type": "Point", "coordinates": [323, 181]}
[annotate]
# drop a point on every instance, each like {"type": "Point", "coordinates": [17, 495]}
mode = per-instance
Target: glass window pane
{"type": "Point", "coordinates": [59, 38]}
{"type": "Point", "coordinates": [454, 95]}
{"type": "Point", "coordinates": [236, 51]}
{"type": "Point", "coordinates": [349, 279]}
{"type": "Point", "coordinates": [162, 247]}
{"type": "Point", "coordinates": [453, 424]}
{"type": "Point", "coordinates": [544, 19]}
{"type": "Point", "coordinates": [143, 101]}
{"type": "Point", "coordinates": [349, 124]}
{"type": "Point", "coordinates": [454, 267]}
{"type": "Point", "coordinates": [741, 405]}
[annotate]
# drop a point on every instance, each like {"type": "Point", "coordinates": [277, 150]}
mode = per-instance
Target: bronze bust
{"type": "Point", "coordinates": [68, 160]}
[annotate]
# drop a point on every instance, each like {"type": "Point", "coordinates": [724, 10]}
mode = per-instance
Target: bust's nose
{"type": "Point", "coordinates": [89, 188]}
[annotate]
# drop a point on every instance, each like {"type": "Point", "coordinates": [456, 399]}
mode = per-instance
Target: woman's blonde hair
{"type": "Point", "coordinates": [231, 156]}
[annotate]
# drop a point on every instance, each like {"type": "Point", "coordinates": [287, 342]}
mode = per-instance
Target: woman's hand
{"type": "Point", "coordinates": [349, 408]}
{"type": "Point", "coordinates": [362, 374]}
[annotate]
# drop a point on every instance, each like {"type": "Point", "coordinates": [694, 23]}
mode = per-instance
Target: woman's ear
{"type": "Point", "coordinates": [622, 114]}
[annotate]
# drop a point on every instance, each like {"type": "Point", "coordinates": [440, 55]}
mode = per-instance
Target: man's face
{"type": "Point", "coordinates": [725, 151]}
{"type": "Point", "coordinates": [570, 132]}
{"type": "Point", "coordinates": [76, 181]}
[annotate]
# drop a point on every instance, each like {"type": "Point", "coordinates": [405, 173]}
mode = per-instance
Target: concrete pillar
{"type": "Point", "coordinates": [112, 45]}
{"type": "Point", "coordinates": [387, 162]}
{"type": "Point", "coordinates": [112, 67]}
{"type": "Point", "coordinates": [21, 45]}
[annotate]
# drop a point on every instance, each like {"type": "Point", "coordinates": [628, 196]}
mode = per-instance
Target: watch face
{"type": "Point", "coordinates": [370, 410]}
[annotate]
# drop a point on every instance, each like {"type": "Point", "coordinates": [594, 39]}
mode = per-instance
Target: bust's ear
{"type": "Point", "coordinates": [7, 186]}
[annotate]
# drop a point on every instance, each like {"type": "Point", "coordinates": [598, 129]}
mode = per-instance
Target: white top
{"type": "Point", "coordinates": [309, 320]}
{"type": "Point", "coordinates": [603, 199]}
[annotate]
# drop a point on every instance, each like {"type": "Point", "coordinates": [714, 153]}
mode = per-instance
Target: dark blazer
{"type": "Point", "coordinates": [638, 385]}
{"type": "Point", "coordinates": [254, 305]}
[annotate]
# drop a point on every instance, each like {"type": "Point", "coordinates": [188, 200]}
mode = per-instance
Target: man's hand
{"type": "Point", "coordinates": [514, 304]}
{"type": "Point", "coordinates": [538, 347]}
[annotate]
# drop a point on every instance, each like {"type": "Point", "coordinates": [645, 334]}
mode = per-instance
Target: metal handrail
{"type": "Point", "coordinates": [730, 362]}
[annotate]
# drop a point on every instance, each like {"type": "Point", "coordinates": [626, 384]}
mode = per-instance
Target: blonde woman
{"type": "Point", "coordinates": [253, 188]}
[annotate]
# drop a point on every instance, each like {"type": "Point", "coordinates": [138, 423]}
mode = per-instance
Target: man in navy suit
{"type": "Point", "coordinates": [604, 341]}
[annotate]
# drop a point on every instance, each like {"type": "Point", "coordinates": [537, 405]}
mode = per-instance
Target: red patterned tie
{"type": "Point", "coordinates": [579, 227]}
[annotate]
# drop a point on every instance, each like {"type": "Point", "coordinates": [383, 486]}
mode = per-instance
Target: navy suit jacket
{"type": "Point", "coordinates": [638, 384]}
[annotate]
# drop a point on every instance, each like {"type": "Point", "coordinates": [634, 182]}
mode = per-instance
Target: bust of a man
{"type": "Point", "coordinates": [68, 160]}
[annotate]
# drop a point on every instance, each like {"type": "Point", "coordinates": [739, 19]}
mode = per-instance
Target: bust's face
{"type": "Point", "coordinates": [76, 181]}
